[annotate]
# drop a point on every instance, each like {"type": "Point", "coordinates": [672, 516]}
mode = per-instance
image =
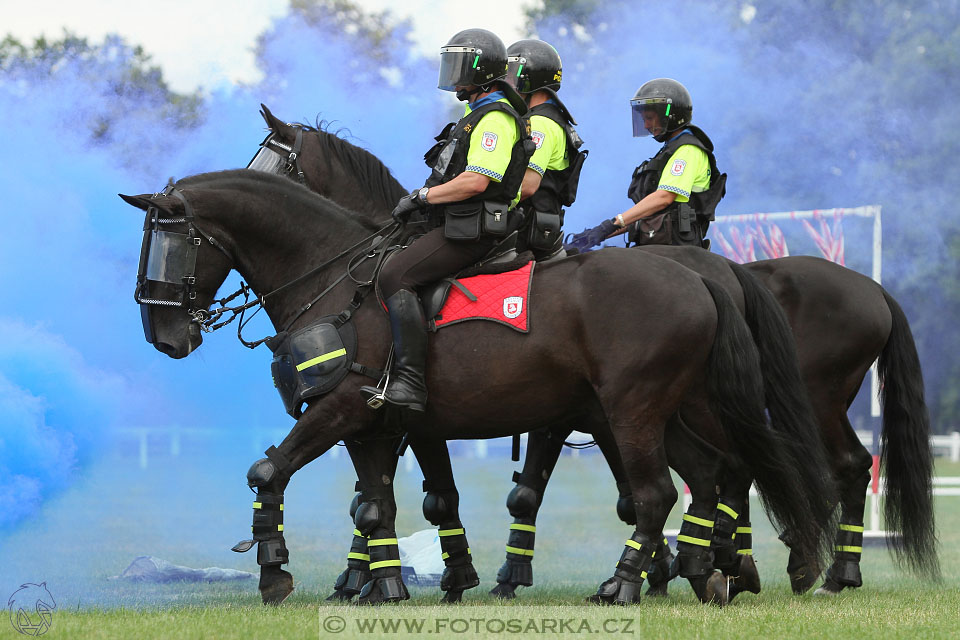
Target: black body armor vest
{"type": "Point", "coordinates": [559, 188]}
{"type": "Point", "coordinates": [448, 158]}
{"type": "Point", "coordinates": [646, 179]}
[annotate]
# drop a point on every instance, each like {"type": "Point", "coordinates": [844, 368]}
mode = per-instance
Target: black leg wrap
{"type": "Point", "coordinates": [661, 570]}
{"type": "Point", "coordinates": [459, 574]}
{"type": "Point", "coordinates": [624, 587]}
{"type": "Point", "coordinates": [723, 543]}
{"type": "Point", "coordinates": [626, 510]}
{"type": "Point", "coordinates": [268, 529]}
{"type": "Point", "coordinates": [694, 557]}
{"type": "Point", "coordinates": [845, 570]}
{"type": "Point", "coordinates": [386, 589]}
{"type": "Point", "coordinates": [351, 581]}
{"type": "Point", "coordinates": [518, 568]}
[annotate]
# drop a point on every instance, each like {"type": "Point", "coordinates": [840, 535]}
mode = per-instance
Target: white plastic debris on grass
{"type": "Point", "coordinates": [420, 561]}
{"type": "Point", "coordinates": [151, 569]}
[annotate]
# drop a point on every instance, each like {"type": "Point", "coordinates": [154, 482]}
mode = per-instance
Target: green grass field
{"type": "Point", "coordinates": [75, 546]}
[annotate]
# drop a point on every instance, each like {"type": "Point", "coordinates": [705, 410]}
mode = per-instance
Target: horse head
{"type": "Point", "coordinates": [181, 268]}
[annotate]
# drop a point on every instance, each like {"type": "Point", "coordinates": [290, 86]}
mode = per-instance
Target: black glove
{"type": "Point", "coordinates": [407, 205]}
{"type": "Point", "coordinates": [592, 237]}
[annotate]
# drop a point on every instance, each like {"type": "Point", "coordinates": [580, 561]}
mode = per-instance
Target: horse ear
{"type": "Point", "coordinates": [140, 202]}
{"type": "Point", "coordinates": [273, 122]}
{"type": "Point", "coordinates": [170, 206]}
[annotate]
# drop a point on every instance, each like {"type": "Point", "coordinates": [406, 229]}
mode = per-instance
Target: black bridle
{"type": "Point", "coordinates": [270, 159]}
{"type": "Point", "coordinates": [209, 319]}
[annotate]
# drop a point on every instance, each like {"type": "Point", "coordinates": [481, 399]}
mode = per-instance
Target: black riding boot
{"type": "Point", "coordinates": [407, 387]}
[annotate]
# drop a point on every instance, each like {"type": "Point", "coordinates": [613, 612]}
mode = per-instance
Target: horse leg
{"type": "Point", "coordinates": [852, 471]}
{"type": "Point", "coordinates": [441, 508]}
{"type": "Point", "coordinates": [747, 578]}
{"type": "Point", "coordinates": [645, 463]}
{"type": "Point", "coordinates": [376, 463]}
{"type": "Point", "coordinates": [351, 581]}
{"type": "Point", "coordinates": [543, 451]}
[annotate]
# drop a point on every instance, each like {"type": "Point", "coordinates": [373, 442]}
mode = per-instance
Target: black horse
{"type": "Point", "coordinates": [273, 231]}
{"type": "Point", "coordinates": [842, 322]}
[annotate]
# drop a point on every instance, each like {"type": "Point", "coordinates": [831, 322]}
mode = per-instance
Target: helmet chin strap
{"type": "Point", "coordinates": [466, 95]}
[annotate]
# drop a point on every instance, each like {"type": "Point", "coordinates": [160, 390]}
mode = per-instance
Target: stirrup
{"type": "Point", "coordinates": [375, 394]}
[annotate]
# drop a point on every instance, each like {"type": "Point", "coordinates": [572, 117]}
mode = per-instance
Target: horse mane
{"type": "Point", "coordinates": [368, 168]}
{"type": "Point", "coordinates": [259, 181]}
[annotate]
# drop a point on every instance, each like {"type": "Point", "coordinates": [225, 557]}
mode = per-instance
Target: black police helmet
{"type": "Point", "coordinates": [533, 65]}
{"type": "Point", "coordinates": [668, 99]}
{"type": "Point", "coordinates": [472, 57]}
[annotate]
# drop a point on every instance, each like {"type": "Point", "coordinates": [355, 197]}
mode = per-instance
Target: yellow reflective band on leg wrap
{"type": "Point", "coordinates": [851, 527]}
{"type": "Point", "coordinates": [520, 552]}
{"type": "Point", "coordinates": [384, 563]}
{"type": "Point", "coordinates": [633, 543]}
{"type": "Point", "coordinates": [745, 552]}
{"type": "Point", "coordinates": [446, 556]}
{"type": "Point", "coordinates": [691, 540]}
{"type": "Point", "coordinates": [358, 556]}
{"type": "Point", "coordinates": [700, 521]}
{"type": "Point", "coordinates": [381, 542]}
{"type": "Point", "coordinates": [848, 549]}
{"type": "Point", "coordinates": [727, 510]}
{"type": "Point", "coordinates": [523, 527]}
{"type": "Point", "coordinates": [322, 358]}
{"type": "Point", "coordinates": [741, 530]}
{"type": "Point", "coordinates": [450, 532]}
{"type": "Point", "coordinates": [357, 533]}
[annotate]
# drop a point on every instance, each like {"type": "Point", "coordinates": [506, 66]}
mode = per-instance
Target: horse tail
{"type": "Point", "coordinates": [905, 449]}
{"type": "Point", "coordinates": [788, 404]}
{"type": "Point", "coordinates": [735, 391]}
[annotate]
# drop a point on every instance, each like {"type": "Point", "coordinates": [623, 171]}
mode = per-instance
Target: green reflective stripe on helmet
{"type": "Point", "coordinates": [520, 552]}
{"type": "Point", "coordinates": [851, 527]}
{"type": "Point", "coordinates": [524, 527]}
{"type": "Point", "coordinates": [633, 543]}
{"type": "Point", "coordinates": [668, 109]}
{"type": "Point", "coordinates": [358, 556]}
{"type": "Point", "coordinates": [381, 542]}
{"type": "Point", "coordinates": [384, 563]}
{"type": "Point", "coordinates": [700, 521]}
{"type": "Point", "coordinates": [697, 541]}
{"type": "Point", "coordinates": [322, 358]}
{"type": "Point", "coordinates": [745, 552]}
{"type": "Point", "coordinates": [450, 532]}
{"type": "Point", "coordinates": [844, 548]}
{"type": "Point", "coordinates": [476, 61]}
{"type": "Point", "coordinates": [727, 510]}
{"type": "Point", "coordinates": [744, 529]}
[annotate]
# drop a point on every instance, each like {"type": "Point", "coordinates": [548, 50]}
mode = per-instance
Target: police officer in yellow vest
{"type": "Point", "coordinates": [552, 176]}
{"type": "Point", "coordinates": [474, 186]}
{"type": "Point", "coordinates": [676, 192]}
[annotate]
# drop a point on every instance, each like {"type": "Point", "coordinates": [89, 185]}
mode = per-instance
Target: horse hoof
{"type": "Point", "coordinates": [829, 588]}
{"type": "Point", "coordinates": [452, 597]}
{"type": "Point", "coordinates": [747, 580]}
{"type": "Point", "coordinates": [505, 591]}
{"type": "Point", "coordinates": [715, 590]}
{"type": "Point", "coordinates": [616, 590]}
{"type": "Point", "coordinates": [340, 596]}
{"type": "Point", "coordinates": [275, 584]}
{"type": "Point", "coordinates": [657, 590]}
{"type": "Point", "coordinates": [383, 590]}
{"type": "Point", "coordinates": [802, 581]}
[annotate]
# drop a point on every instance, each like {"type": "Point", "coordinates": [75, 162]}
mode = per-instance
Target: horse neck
{"type": "Point", "coordinates": [343, 180]}
{"type": "Point", "coordinates": [275, 239]}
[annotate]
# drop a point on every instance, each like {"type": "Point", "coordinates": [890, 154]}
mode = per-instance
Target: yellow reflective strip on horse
{"type": "Point", "coordinates": [727, 510]}
{"type": "Point", "coordinates": [697, 541]}
{"type": "Point", "coordinates": [358, 556]}
{"type": "Point", "coordinates": [281, 506]}
{"type": "Point", "coordinates": [524, 527]}
{"type": "Point", "coordinates": [851, 527]}
{"type": "Point", "coordinates": [744, 529]}
{"type": "Point", "coordinates": [257, 505]}
{"type": "Point", "coordinates": [322, 358]}
{"type": "Point", "coordinates": [633, 543]}
{"type": "Point", "coordinates": [384, 563]}
{"type": "Point", "coordinates": [381, 542]}
{"type": "Point", "coordinates": [745, 552]}
{"type": "Point", "coordinates": [847, 549]}
{"type": "Point", "coordinates": [700, 521]}
{"type": "Point", "coordinates": [444, 555]}
{"type": "Point", "coordinates": [643, 575]}
{"type": "Point", "coordinates": [443, 533]}
{"type": "Point", "coordinates": [356, 532]}
{"type": "Point", "coordinates": [520, 552]}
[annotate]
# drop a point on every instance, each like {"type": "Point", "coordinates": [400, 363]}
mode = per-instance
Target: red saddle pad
{"type": "Point", "coordinates": [501, 297]}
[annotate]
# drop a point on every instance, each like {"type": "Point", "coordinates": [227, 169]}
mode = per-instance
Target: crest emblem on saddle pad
{"type": "Point", "coordinates": [512, 306]}
{"type": "Point", "coordinates": [489, 141]}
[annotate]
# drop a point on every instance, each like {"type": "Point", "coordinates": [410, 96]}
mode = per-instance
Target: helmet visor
{"type": "Point", "coordinates": [516, 77]}
{"type": "Point", "coordinates": [650, 116]}
{"type": "Point", "coordinates": [457, 66]}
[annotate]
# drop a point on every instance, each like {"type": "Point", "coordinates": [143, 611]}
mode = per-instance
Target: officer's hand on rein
{"type": "Point", "coordinates": [407, 205]}
{"type": "Point", "coordinates": [601, 232]}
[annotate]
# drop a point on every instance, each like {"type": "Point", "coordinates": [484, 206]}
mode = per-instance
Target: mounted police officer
{"type": "Point", "coordinates": [676, 191]}
{"type": "Point", "coordinates": [470, 197]}
{"type": "Point", "coordinates": [551, 179]}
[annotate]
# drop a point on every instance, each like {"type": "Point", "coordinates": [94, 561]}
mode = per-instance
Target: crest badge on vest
{"type": "Point", "coordinates": [678, 167]}
{"type": "Point", "coordinates": [489, 141]}
{"type": "Point", "coordinates": [512, 306]}
{"type": "Point", "coordinates": [537, 137]}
